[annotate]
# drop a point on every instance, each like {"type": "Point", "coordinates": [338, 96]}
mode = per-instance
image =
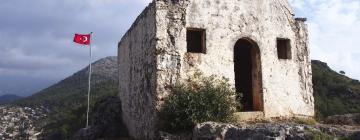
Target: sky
{"type": "Point", "coordinates": [36, 48]}
{"type": "Point", "coordinates": [334, 27]}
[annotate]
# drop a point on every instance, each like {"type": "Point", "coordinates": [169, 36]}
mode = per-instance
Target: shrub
{"type": "Point", "coordinates": [317, 135]}
{"type": "Point", "coordinates": [307, 121]}
{"type": "Point", "coordinates": [209, 99]}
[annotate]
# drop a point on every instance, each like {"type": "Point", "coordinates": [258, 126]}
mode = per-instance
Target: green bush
{"type": "Point", "coordinates": [307, 121]}
{"type": "Point", "coordinates": [317, 135]}
{"type": "Point", "coordinates": [209, 99]}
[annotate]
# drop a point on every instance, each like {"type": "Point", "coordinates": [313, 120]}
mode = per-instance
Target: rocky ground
{"type": "Point", "coordinates": [109, 125]}
{"type": "Point", "coordinates": [288, 131]}
{"type": "Point", "coordinates": [19, 122]}
{"type": "Point", "coordinates": [338, 127]}
{"type": "Point", "coordinates": [347, 119]}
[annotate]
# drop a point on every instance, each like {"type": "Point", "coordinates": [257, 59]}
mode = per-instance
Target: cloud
{"type": "Point", "coordinates": [334, 27]}
{"type": "Point", "coordinates": [36, 36]}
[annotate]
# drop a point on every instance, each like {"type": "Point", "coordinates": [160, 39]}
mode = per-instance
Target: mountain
{"type": "Point", "coordinates": [66, 101]}
{"type": "Point", "coordinates": [73, 90]}
{"type": "Point", "coordinates": [334, 93]}
{"type": "Point", "coordinates": [8, 98]}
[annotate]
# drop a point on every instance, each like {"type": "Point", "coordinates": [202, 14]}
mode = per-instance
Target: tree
{"type": "Point", "coordinates": [342, 72]}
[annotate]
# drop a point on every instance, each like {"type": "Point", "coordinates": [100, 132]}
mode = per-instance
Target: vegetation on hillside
{"type": "Point", "coordinates": [334, 93]}
{"type": "Point", "coordinates": [67, 119]}
{"type": "Point", "coordinates": [208, 99]}
{"type": "Point", "coordinates": [66, 101]}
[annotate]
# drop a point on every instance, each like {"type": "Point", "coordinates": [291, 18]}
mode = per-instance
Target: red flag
{"type": "Point", "coordinates": [82, 39]}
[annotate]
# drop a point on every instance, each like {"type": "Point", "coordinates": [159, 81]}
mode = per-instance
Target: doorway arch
{"type": "Point", "coordinates": [248, 77]}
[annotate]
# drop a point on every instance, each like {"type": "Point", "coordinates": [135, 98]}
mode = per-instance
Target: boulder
{"type": "Point", "coordinates": [168, 136]}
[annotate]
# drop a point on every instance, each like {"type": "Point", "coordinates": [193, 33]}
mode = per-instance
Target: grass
{"type": "Point", "coordinates": [307, 121]}
{"type": "Point", "coordinates": [317, 135]}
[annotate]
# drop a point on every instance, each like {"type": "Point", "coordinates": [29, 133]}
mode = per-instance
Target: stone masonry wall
{"type": "Point", "coordinates": [305, 71]}
{"type": "Point", "coordinates": [287, 87]}
{"type": "Point", "coordinates": [153, 56]}
{"type": "Point", "coordinates": [170, 23]}
{"type": "Point", "coordinates": [137, 76]}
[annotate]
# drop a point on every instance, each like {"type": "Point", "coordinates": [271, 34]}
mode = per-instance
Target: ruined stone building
{"type": "Point", "coordinates": [258, 44]}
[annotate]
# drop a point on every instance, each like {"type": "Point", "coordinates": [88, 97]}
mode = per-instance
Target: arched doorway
{"type": "Point", "coordinates": [248, 78]}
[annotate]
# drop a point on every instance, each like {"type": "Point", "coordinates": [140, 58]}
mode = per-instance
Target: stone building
{"type": "Point", "coordinates": [257, 44]}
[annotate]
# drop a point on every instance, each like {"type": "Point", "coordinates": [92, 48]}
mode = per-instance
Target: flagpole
{"type": "Point", "coordinates": [89, 86]}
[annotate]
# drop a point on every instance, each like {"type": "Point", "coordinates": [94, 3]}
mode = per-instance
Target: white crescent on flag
{"type": "Point", "coordinates": [85, 39]}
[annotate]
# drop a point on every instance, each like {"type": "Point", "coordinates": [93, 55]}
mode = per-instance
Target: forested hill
{"type": "Point", "coordinates": [72, 91]}
{"type": "Point", "coordinates": [66, 101]}
{"type": "Point", "coordinates": [334, 93]}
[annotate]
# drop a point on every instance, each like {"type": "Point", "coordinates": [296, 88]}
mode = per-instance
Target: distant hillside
{"type": "Point", "coordinates": [9, 98]}
{"type": "Point", "coordinates": [334, 93]}
{"type": "Point", "coordinates": [72, 91]}
{"type": "Point", "coordinates": [67, 99]}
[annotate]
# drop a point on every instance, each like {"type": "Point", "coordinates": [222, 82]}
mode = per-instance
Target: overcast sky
{"type": "Point", "coordinates": [36, 47]}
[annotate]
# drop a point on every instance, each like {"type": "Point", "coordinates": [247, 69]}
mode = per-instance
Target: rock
{"type": "Point", "coordinates": [168, 136]}
{"type": "Point", "coordinates": [347, 119]}
{"type": "Point", "coordinates": [267, 131]}
{"type": "Point", "coordinates": [212, 131]}
{"type": "Point", "coordinates": [107, 122]}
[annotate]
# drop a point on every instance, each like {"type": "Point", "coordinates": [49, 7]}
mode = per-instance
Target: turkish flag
{"type": "Point", "coordinates": [82, 39]}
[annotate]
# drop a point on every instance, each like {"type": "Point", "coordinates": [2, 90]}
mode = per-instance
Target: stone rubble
{"type": "Point", "coordinates": [19, 122]}
{"type": "Point", "coordinates": [268, 131]}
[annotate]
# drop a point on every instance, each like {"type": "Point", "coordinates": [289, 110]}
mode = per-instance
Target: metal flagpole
{"type": "Point", "coordinates": [89, 87]}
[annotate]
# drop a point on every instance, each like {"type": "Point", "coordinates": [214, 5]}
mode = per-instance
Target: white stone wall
{"type": "Point", "coordinates": [153, 57]}
{"type": "Point", "coordinates": [137, 76]}
{"type": "Point", "coordinates": [287, 87]}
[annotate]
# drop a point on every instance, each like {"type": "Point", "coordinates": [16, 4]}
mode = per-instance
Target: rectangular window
{"type": "Point", "coordinates": [283, 48]}
{"type": "Point", "coordinates": [196, 39]}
